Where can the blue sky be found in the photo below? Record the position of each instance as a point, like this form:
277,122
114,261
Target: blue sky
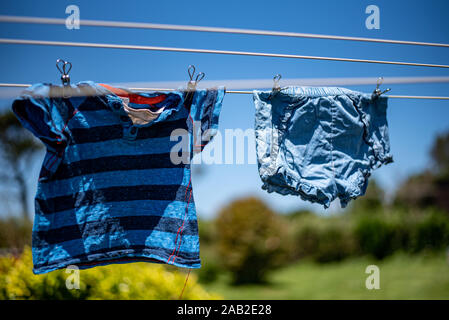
413,123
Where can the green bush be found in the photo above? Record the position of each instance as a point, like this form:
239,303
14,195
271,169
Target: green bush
335,244
208,272
432,233
322,239
120,281
381,236
375,237
306,242
377,233
251,240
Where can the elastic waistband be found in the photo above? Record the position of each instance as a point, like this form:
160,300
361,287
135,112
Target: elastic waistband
317,91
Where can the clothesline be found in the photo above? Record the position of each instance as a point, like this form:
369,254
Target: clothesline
100,23
267,83
227,52
158,26
22,85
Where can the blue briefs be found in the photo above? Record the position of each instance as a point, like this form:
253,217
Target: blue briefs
320,143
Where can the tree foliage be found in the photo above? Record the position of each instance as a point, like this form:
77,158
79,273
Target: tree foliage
17,147
431,187
251,240
440,154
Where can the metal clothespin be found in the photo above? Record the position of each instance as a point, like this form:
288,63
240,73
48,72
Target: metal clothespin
191,85
276,87
64,68
276,80
377,92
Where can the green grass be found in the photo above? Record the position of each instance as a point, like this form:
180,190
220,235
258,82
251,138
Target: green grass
401,277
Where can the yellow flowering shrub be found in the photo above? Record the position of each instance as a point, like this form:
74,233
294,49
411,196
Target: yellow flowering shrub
119,281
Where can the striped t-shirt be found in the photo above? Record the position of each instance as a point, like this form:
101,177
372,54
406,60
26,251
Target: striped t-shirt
115,183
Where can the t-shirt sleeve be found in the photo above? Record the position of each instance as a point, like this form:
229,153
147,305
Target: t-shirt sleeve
205,112
38,113
44,118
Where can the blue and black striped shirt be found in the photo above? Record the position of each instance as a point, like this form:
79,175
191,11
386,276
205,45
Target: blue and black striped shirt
109,189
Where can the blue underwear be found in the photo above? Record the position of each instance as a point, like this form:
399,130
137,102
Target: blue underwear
320,143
